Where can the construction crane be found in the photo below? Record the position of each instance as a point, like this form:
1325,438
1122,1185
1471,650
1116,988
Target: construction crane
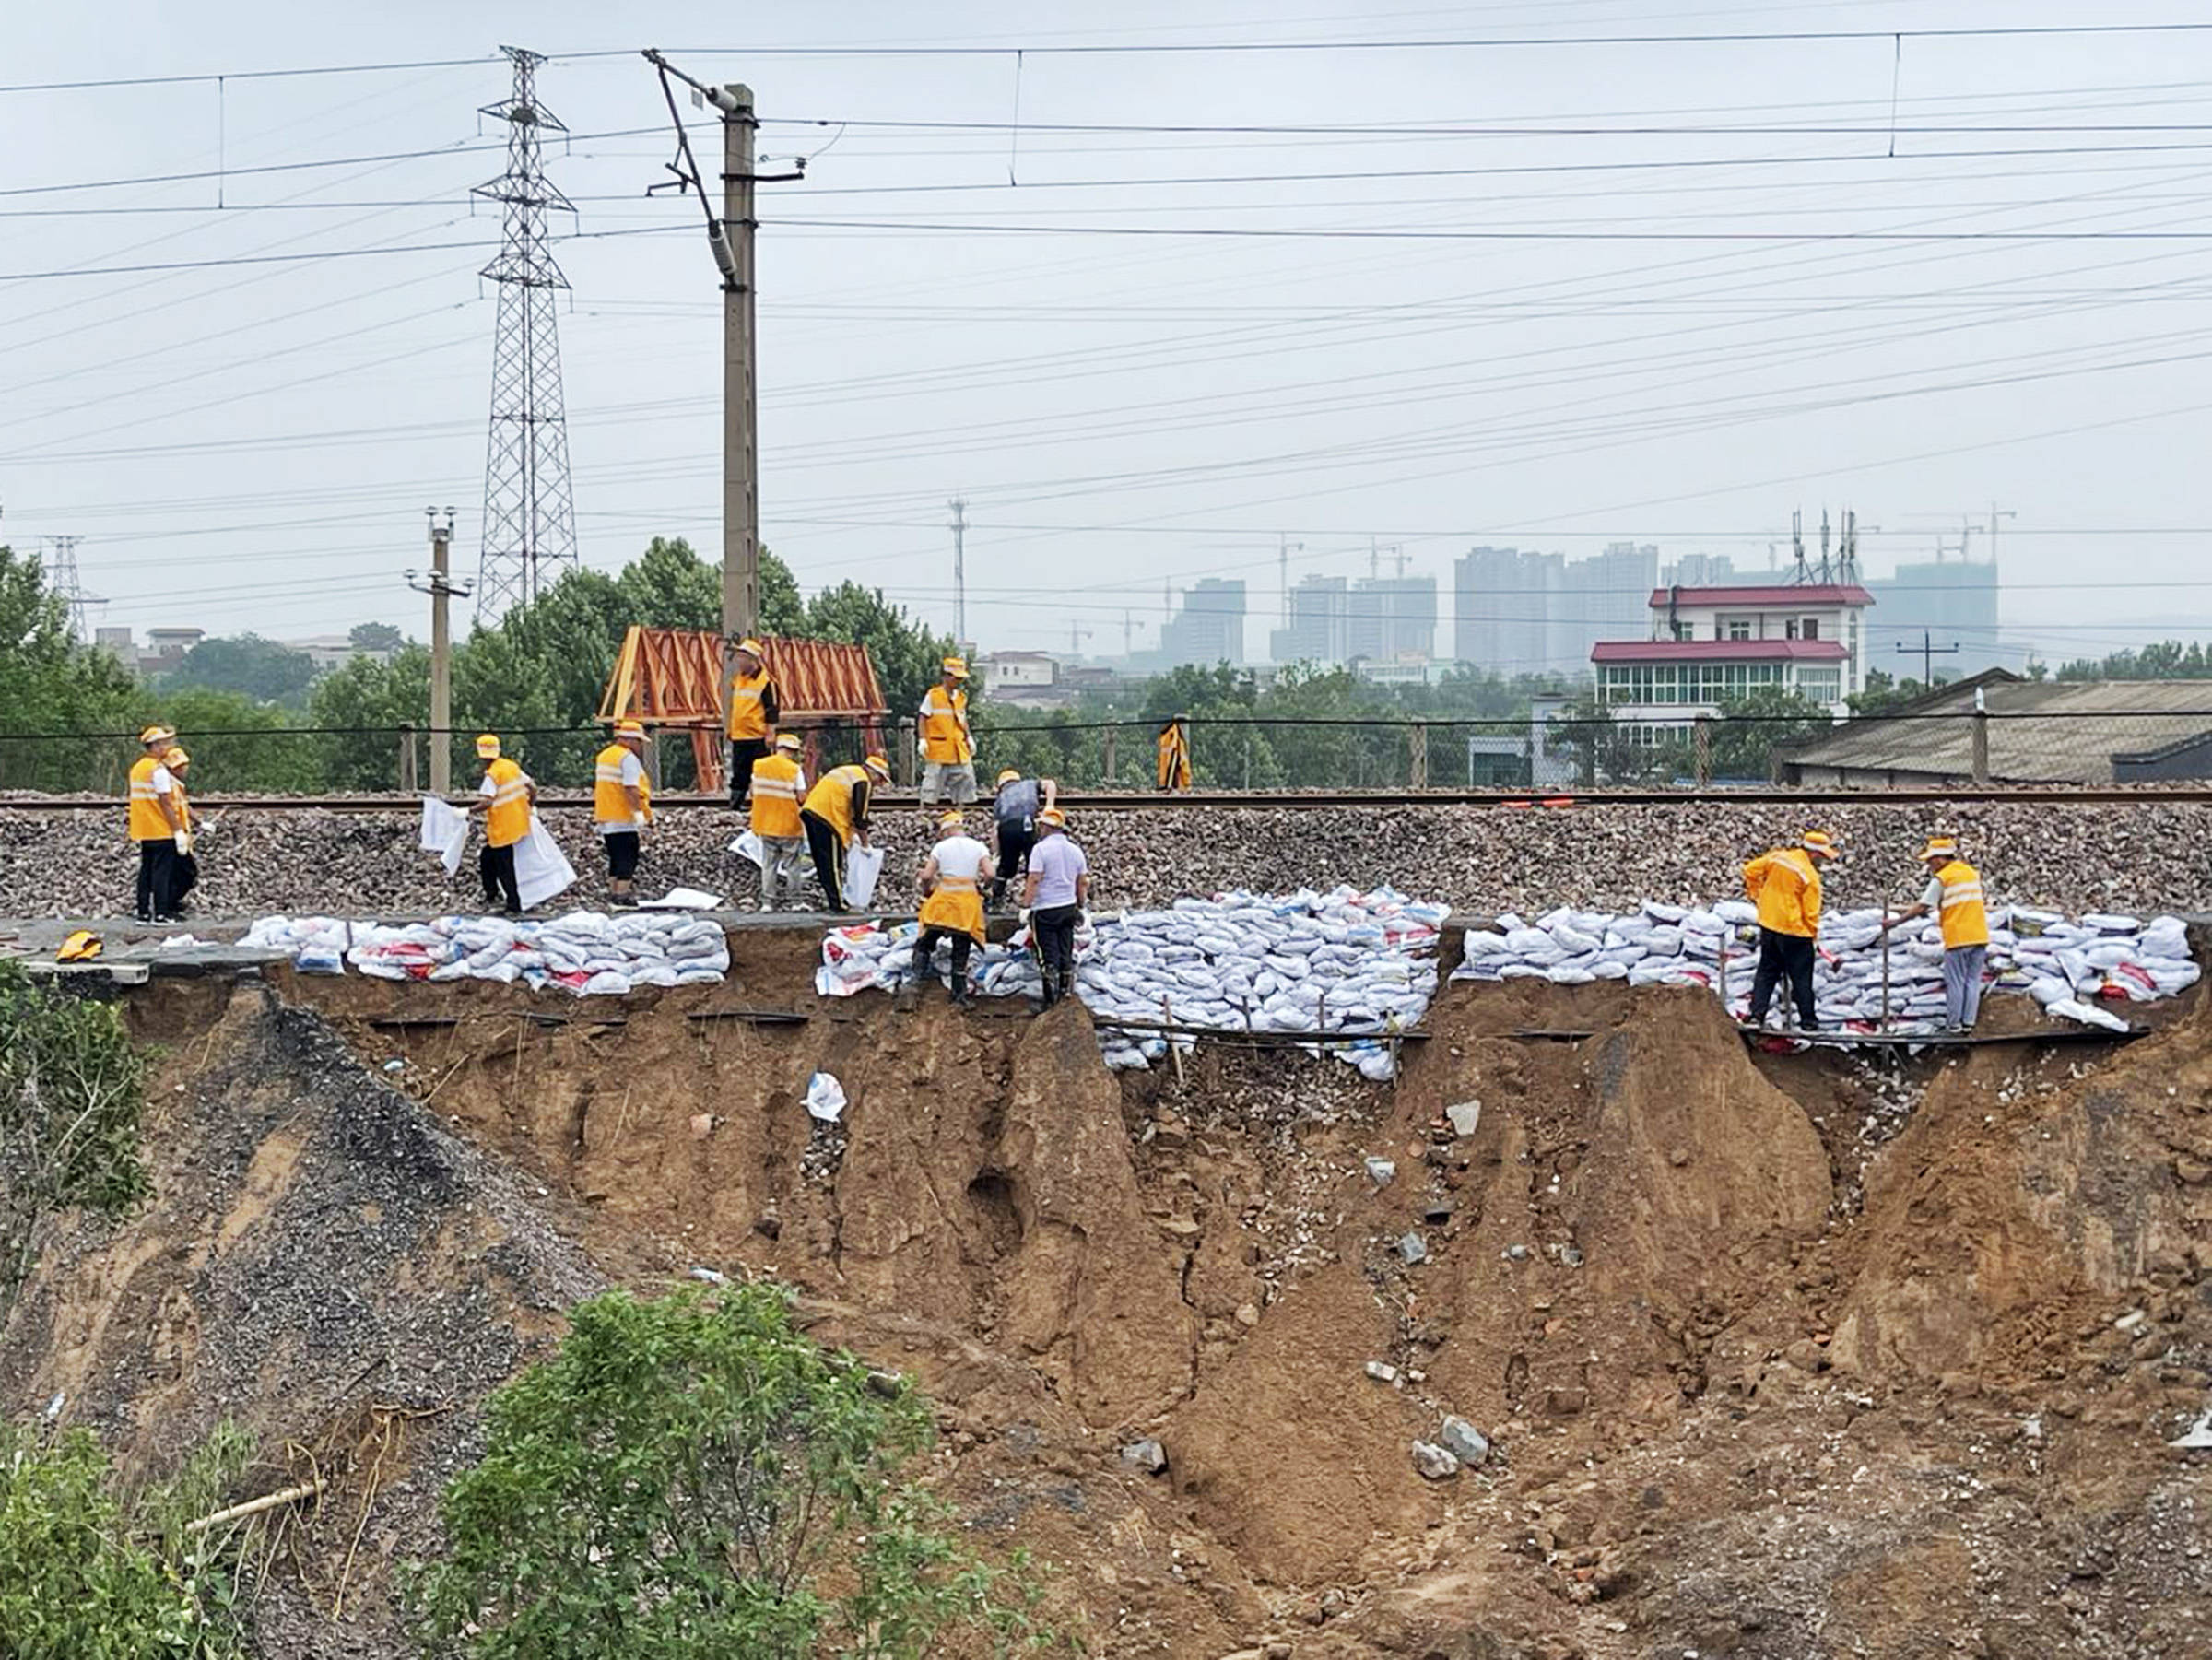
1077,635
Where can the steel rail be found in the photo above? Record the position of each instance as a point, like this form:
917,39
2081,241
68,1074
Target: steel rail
2086,796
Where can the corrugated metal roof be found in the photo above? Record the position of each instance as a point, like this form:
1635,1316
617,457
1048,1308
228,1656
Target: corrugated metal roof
2044,731
1767,594
1718,650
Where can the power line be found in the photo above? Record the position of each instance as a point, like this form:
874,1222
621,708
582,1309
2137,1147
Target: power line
330,253
1342,234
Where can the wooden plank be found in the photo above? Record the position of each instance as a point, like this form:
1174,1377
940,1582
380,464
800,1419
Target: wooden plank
1949,1040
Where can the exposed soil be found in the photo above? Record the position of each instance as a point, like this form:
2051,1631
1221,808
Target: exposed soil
1782,1356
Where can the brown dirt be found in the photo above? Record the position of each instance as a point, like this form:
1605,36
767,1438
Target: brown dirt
1783,1356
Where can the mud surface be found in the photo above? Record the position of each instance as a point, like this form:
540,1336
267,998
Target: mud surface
1783,1357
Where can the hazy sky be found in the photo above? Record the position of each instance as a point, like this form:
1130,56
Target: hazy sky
1547,294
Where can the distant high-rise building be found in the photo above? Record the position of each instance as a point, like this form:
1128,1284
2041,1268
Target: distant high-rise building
1208,629
1954,600
1540,613
1390,619
1316,631
1701,571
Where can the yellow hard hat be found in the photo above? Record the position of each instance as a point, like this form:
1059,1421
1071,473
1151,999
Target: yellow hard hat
1820,841
1940,847
487,746
789,740
1011,775
951,820
880,767
956,667
1053,818
751,647
176,758
157,735
629,729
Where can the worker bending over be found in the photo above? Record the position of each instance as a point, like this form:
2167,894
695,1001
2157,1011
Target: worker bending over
1053,902
188,859
1175,754
1786,885
622,807
952,905
778,786
1954,894
504,798
947,744
835,816
160,835
1016,804
754,712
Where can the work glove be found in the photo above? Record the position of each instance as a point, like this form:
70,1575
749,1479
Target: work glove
1025,916
1083,921
184,842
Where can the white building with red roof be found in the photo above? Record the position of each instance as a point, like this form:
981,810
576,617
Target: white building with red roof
1708,646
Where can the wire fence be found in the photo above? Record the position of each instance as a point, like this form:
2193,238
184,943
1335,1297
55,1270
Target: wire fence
2133,745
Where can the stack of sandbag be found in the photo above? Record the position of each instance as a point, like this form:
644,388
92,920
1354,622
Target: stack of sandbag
2069,967
1344,962
583,952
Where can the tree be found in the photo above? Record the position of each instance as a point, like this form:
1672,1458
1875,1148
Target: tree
358,706
907,654
246,663
237,744
379,637
694,1477
59,700
1753,727
2161,660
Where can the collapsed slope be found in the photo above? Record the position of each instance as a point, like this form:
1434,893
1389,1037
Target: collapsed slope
1766,1374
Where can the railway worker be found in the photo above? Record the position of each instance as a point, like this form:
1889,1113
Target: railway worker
835,816
161,836
1954,894
1786,885
1053,901
947,742
1016,802
505,798
188,859
1175,754
622,807
754,712
778,786
952,904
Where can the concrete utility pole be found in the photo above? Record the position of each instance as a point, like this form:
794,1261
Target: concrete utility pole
441,589
1929,651
730,238
959,570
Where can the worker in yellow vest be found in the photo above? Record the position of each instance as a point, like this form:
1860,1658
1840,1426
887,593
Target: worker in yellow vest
835,816
1954,894
952,905
778,786
188,858
504,798
947,745
622,807
161,836
1175,754
754,712
1785,885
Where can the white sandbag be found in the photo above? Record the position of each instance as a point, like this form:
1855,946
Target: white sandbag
863,867
825,1097
542,871
2087,1014
444,831
749,846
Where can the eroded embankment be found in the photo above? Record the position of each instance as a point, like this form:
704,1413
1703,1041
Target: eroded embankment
1783,1357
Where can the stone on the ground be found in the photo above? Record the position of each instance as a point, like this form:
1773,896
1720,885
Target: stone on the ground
1464,1442
1381,1371
1465,1117
1146,1455
1433,1462
1413,1250
1380,1171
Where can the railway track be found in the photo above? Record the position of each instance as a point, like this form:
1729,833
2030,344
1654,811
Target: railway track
1305,799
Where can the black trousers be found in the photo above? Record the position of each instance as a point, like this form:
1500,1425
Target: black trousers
187,877
1055,933
1781,957
744,752
925,958
156,879
829,851
496,867
1014,845
621,854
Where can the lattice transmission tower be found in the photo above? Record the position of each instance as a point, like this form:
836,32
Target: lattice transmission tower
529,519
57,556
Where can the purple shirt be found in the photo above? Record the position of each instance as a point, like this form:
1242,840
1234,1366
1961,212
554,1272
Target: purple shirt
1056,862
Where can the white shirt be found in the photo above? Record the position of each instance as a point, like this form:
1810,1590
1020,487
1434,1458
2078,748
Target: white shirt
960,858
164,781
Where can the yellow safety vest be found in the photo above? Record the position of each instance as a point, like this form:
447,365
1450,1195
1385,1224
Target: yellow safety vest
957,904
1787,888
610,802
749,718
945,738
776,798
1964,916
1174,759
182,802
831,799
509,820
147,822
